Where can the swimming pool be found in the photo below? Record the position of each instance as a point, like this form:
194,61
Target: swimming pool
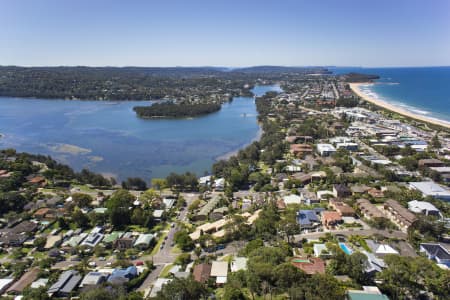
346,249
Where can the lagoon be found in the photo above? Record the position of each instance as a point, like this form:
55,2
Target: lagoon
107,137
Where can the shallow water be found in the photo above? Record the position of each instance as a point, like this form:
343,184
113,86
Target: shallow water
107,137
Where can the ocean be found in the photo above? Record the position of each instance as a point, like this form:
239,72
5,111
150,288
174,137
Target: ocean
421,90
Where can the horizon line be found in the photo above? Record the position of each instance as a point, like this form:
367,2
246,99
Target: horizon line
219,66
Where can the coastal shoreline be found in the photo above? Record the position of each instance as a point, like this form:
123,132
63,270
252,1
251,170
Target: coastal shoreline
383,104
229,154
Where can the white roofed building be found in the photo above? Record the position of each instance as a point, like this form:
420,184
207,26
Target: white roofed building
423,207
430,188
325,149
219,269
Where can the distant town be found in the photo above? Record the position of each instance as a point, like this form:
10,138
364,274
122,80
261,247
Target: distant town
338,199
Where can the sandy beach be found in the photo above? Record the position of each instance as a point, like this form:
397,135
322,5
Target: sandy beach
227,155
356,88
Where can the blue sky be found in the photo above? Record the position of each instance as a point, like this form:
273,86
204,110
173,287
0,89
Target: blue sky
225,32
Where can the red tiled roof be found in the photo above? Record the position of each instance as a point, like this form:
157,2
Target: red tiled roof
310,266
202,272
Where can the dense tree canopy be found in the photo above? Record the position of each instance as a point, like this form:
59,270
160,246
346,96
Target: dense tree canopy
119,207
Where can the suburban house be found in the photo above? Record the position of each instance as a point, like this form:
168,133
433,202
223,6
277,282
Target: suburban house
423,207
325,149
119,276
207,209
292,199
436,252
144,241
123,243
45,213
24,281
66,283
308,197
5,283
343,208
398,214
299,150
238,263
349,146
52,241
331,218
158,285
380,249
307,219
310,266
374,263
443,171
219,184
93,238
368,210
202,272
219,270
359,189
430,162
205,180
11,239
376,193
430,188
112,237
341,191
94,278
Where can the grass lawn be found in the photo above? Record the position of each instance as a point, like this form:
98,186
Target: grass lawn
39,255
165,271
84,188
137,228
226,258
48,191
176,250
158,244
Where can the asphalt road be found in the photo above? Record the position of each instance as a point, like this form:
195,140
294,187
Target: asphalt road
164,256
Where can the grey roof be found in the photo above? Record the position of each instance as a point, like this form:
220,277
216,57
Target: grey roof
144,239
205,210
71,284
436,250
94,278
307,217
430,188
66,283
92,239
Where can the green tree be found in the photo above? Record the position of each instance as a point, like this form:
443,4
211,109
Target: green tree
406,278
81,200
80,219
435,143
39,242
134,183
231,293
159,183
35,294
119,208
182,288
183,240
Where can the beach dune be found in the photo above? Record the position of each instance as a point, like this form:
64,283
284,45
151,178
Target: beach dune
356,88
